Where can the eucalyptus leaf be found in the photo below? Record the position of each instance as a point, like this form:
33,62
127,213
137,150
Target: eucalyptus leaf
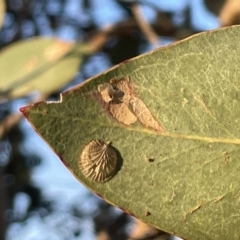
176,132
37,64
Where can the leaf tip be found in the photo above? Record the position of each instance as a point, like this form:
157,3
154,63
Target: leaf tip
24,110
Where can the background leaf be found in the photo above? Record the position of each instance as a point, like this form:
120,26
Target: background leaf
191,188
40,64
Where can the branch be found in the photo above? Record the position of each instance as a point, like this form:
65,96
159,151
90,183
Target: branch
230,13
144,26
143,231
13,119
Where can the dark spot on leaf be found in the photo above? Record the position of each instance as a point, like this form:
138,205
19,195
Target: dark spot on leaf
147,213
150,160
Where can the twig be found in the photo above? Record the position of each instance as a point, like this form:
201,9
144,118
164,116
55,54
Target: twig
144,26
230,13
143,231
97,42
9,122
13,119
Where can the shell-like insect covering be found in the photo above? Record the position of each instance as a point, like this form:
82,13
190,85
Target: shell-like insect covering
98,161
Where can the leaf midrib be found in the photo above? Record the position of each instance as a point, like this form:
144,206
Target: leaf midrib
149,131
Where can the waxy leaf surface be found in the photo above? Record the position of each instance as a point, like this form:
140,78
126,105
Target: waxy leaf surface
177,133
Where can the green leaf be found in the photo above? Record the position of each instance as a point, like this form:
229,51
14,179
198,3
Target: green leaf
38,64
2,11
176,133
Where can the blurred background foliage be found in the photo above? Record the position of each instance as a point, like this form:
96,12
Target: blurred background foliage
111,31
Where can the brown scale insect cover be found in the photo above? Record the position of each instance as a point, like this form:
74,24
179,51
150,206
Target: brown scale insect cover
98,161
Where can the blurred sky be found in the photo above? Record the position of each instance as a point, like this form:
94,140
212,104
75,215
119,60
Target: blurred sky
52,176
